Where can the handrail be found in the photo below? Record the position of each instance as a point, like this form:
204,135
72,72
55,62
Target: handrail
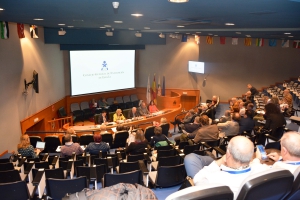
57,124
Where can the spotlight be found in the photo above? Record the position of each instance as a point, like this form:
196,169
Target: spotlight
138,34
162,35
115,5
62,32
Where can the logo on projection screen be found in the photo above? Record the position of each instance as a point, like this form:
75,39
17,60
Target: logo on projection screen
104,66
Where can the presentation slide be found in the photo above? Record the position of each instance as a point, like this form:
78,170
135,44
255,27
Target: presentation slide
196,67
101,70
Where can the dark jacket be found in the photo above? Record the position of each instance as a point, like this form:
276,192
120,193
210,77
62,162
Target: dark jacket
246,124
137,147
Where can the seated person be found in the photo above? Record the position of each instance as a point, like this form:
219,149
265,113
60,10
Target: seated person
25,148
120,127
212,102
191,127
250,108
118,115
246,122
93,104
287,102
206,132
139,145
230,127
102,118
187,119
143,111
94,147
152,107
103,102
133,113
226,117
70,147
158,136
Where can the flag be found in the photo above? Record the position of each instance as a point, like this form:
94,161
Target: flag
20,28
296,44
285,43
163,91
197,39
153,91
34,31
248,41
184,38
4,30
272,42
148,93
259,42
222,40
235,41
158,87
209,40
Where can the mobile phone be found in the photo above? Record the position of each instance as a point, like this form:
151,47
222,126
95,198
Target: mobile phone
262,152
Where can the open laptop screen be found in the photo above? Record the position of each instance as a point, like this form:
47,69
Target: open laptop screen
40,145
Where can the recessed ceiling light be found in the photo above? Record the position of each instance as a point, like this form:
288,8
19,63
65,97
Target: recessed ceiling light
187,33
102,27
38,19
287,33
107,25
178,1
118,22
131,29
137,15
238,32
61,24
146,27
198,32
216,35
290,36
210,34
70,26
180,26
229,24
248,35
176,32
1,8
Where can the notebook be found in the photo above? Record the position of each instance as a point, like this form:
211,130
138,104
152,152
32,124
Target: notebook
40,145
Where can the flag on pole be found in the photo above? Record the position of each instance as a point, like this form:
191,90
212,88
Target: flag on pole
153,91
184,38
34,31
20,28
285,44
158,87
222,40
148,93
234,41
163,91
259,42
209,40
272,42
248,41
197,39
296,44
4,30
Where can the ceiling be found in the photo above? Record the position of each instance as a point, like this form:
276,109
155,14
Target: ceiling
257,18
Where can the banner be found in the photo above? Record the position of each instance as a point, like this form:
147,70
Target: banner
234,41
222,40
4,30
272,42
34,31
209,40
248,41
259,42
148,92
20,29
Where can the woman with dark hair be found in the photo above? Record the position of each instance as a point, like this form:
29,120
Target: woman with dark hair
158,136
96,146
139,145
152,107
274,118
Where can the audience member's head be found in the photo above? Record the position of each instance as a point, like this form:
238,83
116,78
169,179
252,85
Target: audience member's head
24,141
290,149
204,120
272,108
214,98
71,131
191,112
97,138
157,130
239,152
103,113
248,94
151,102
249,114
266,99
236,117
163,120
139,136
103,128
275,100
227,113
250,106
249,86
143,105
68,137
241,112
286,92
233,100
119,112
197,120
133,109
120,127
241,105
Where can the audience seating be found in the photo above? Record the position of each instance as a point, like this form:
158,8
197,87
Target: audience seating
128,177
134,99
61,112
127,167
149,132
133,158
108,138
85,139
87,111
94,173
120,139
14,191
165,129
34,139
110,101
57,173
109,162
166,161
190,148
76,112
6,166
295,192
51,143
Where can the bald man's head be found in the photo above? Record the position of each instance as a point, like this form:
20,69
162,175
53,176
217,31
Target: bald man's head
291,141
241,149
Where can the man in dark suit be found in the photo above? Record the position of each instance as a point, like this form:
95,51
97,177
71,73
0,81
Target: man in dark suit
133,113
103,117
246,122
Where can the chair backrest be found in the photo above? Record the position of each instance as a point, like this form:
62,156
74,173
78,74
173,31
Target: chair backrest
133,158
6,166
168,176
274,183
126,99
108,138
295,192
57,173
119,99
9,176
104,161
74,139
182,145
149,132
120,139
51,143
86,171
4,160
85,139
165,129
42,164
128,166
16,190
207,191
129,177
169,161
34,139
168,147
133,97
165,153
213,143
190,148
61,112
75,106
84,105
58,188
110,101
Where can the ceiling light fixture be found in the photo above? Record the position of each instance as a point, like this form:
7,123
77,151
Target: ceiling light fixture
210,34
290,36
180,26
178,1
198,32
229,24
115,4
146,27
118,22
102,27
287,33
131,29
176,32
70,26
38,19
61,24
238,32
1,8
248,35
216,35
137,15
107,26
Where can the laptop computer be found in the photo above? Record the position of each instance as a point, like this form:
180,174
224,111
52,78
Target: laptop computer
40,145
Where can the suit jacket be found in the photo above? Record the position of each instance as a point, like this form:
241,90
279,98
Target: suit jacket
191,127
273,121
246,124
207,133
130,114
229,127
100,119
